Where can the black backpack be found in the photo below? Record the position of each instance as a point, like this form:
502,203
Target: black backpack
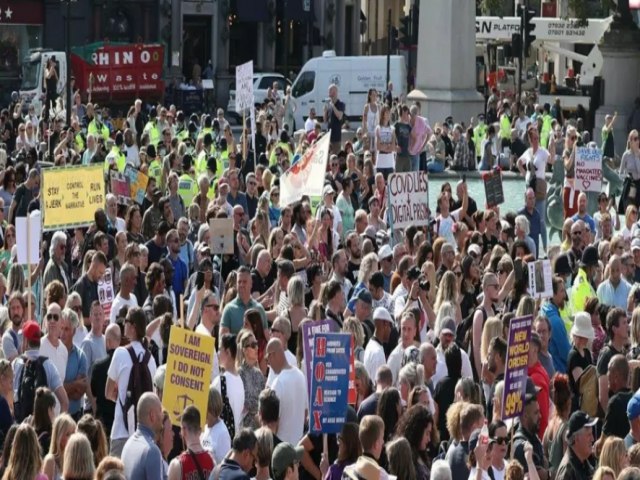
32,377
464,329
140,382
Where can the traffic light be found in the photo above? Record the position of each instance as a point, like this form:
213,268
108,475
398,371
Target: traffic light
529,27
516,45
405,31
394,38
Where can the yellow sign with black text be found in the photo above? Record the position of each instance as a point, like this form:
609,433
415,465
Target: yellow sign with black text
70,196
188,376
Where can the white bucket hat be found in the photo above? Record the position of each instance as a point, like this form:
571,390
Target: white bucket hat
582,326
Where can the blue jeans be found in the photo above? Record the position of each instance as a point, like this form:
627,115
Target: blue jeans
415,163
434,166
541,206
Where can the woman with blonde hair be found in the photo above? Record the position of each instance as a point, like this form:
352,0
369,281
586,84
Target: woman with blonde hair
630,162
566,234
526,306
78,459
614,455
353,326
604,473
252,378
63,428
94,431
630,218
24,461
492,328
296,311
448,292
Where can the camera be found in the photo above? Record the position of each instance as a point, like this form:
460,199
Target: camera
424,283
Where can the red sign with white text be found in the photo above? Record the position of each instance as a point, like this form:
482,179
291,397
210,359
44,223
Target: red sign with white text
120,70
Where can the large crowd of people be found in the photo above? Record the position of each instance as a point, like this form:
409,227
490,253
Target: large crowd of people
429,308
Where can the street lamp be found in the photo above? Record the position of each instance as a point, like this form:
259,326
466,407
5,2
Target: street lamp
67,42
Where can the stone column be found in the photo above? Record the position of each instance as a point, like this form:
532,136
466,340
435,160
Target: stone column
621,73
446,71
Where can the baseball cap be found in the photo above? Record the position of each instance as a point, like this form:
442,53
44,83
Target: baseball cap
633,407
475,249
448,326
579,420
382,313
385,252
369,232
284,456
328,189
635,244
364,296
31,331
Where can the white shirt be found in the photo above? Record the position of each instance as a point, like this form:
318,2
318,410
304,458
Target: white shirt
235,393
540,160
521,125
291,388
216,440
445,226
291,360
441,366
373,357
120,302
119,224
395,362
58,355
79,336
119,371
309,124
215,371
133,156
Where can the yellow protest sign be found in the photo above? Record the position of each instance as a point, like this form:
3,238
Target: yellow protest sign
71,196
188,375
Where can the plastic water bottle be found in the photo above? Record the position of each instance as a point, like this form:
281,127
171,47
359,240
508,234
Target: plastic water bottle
484,434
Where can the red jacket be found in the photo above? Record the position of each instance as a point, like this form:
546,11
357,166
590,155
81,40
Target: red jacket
541,380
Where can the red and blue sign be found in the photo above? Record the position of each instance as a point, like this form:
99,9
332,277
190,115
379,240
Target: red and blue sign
330,382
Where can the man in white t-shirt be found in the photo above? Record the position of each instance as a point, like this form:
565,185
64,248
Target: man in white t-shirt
281,329
51,346
374,353
291,388
310,122
125,297
118,378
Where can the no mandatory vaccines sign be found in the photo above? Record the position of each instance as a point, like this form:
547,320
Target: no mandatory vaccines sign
188,375
71,196
408,199
517,368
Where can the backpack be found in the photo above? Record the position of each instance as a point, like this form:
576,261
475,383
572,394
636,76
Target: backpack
464,329
140,382
32,377
227,413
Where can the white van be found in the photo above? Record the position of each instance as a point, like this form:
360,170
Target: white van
354,76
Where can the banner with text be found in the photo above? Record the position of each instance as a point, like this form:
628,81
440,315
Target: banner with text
588,169
306,176
244,86
189,364
71,196
409,199
330,382
517,367
309,331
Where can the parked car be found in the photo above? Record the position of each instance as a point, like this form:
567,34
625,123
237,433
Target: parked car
261,83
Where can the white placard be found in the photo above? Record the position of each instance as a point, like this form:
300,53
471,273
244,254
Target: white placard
409,199
221,236
306,176
244,86
106,293
29,243
540,279
588,169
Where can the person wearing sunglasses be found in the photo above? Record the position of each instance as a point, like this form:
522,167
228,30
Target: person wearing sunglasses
499,441
51,346
252,378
